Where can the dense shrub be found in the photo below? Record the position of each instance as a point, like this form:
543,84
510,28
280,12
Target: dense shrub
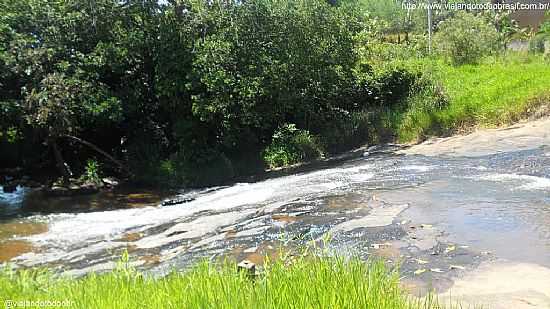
291,145
426,98
545,26
264,63
149,165
536,43
192,165
213,169
466,38
183,91
346,130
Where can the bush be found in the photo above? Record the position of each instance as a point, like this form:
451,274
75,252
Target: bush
393,85
265,60
214,170
181,171
147,163
426,98
465,38
536,44
345,130
291,145
545,26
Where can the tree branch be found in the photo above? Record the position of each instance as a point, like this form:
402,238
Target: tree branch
94,147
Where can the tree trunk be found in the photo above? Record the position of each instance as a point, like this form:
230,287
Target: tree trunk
59,161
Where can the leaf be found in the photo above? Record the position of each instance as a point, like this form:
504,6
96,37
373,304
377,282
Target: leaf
457,267
419,261
420,271
436,270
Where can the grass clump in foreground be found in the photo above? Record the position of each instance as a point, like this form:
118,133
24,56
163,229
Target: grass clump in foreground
313,282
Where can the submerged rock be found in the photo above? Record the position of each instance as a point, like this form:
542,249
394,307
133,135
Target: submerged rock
382,216
177,201
110,182
72,190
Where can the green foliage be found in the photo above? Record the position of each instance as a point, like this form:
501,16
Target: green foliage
60,105
545,25
11,135
346,130
392,13
91,172
183,90
536,43
465,39
291,145
213,168
313,282
150,166
416,118
47,67
268,62
191,78
498,91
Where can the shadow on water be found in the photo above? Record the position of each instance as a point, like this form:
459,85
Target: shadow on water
25,202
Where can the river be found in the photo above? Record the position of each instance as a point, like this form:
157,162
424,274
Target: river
467,215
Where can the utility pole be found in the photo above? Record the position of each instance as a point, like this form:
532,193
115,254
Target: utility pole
429,26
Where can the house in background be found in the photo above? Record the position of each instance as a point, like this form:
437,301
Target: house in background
529,18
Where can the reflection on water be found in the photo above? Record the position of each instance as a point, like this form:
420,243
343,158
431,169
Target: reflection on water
268,250
25,202
12,248
500,219
131,237
24,213
21,228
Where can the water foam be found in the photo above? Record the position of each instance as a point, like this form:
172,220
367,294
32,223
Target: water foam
67,229
528,182
416,168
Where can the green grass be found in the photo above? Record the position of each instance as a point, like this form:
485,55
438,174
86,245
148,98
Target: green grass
496,92
307,283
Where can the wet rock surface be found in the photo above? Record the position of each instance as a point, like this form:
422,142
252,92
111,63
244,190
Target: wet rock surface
521,136
446,220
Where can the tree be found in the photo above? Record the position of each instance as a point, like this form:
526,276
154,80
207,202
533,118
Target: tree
48,55
465,38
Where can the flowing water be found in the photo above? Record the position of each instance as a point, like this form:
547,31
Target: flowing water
441,217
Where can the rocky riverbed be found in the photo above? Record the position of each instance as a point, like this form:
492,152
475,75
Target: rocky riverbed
466,216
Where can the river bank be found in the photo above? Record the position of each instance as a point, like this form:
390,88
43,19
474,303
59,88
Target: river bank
448,217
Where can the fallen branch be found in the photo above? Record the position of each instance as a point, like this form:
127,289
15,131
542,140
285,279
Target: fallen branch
94,147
